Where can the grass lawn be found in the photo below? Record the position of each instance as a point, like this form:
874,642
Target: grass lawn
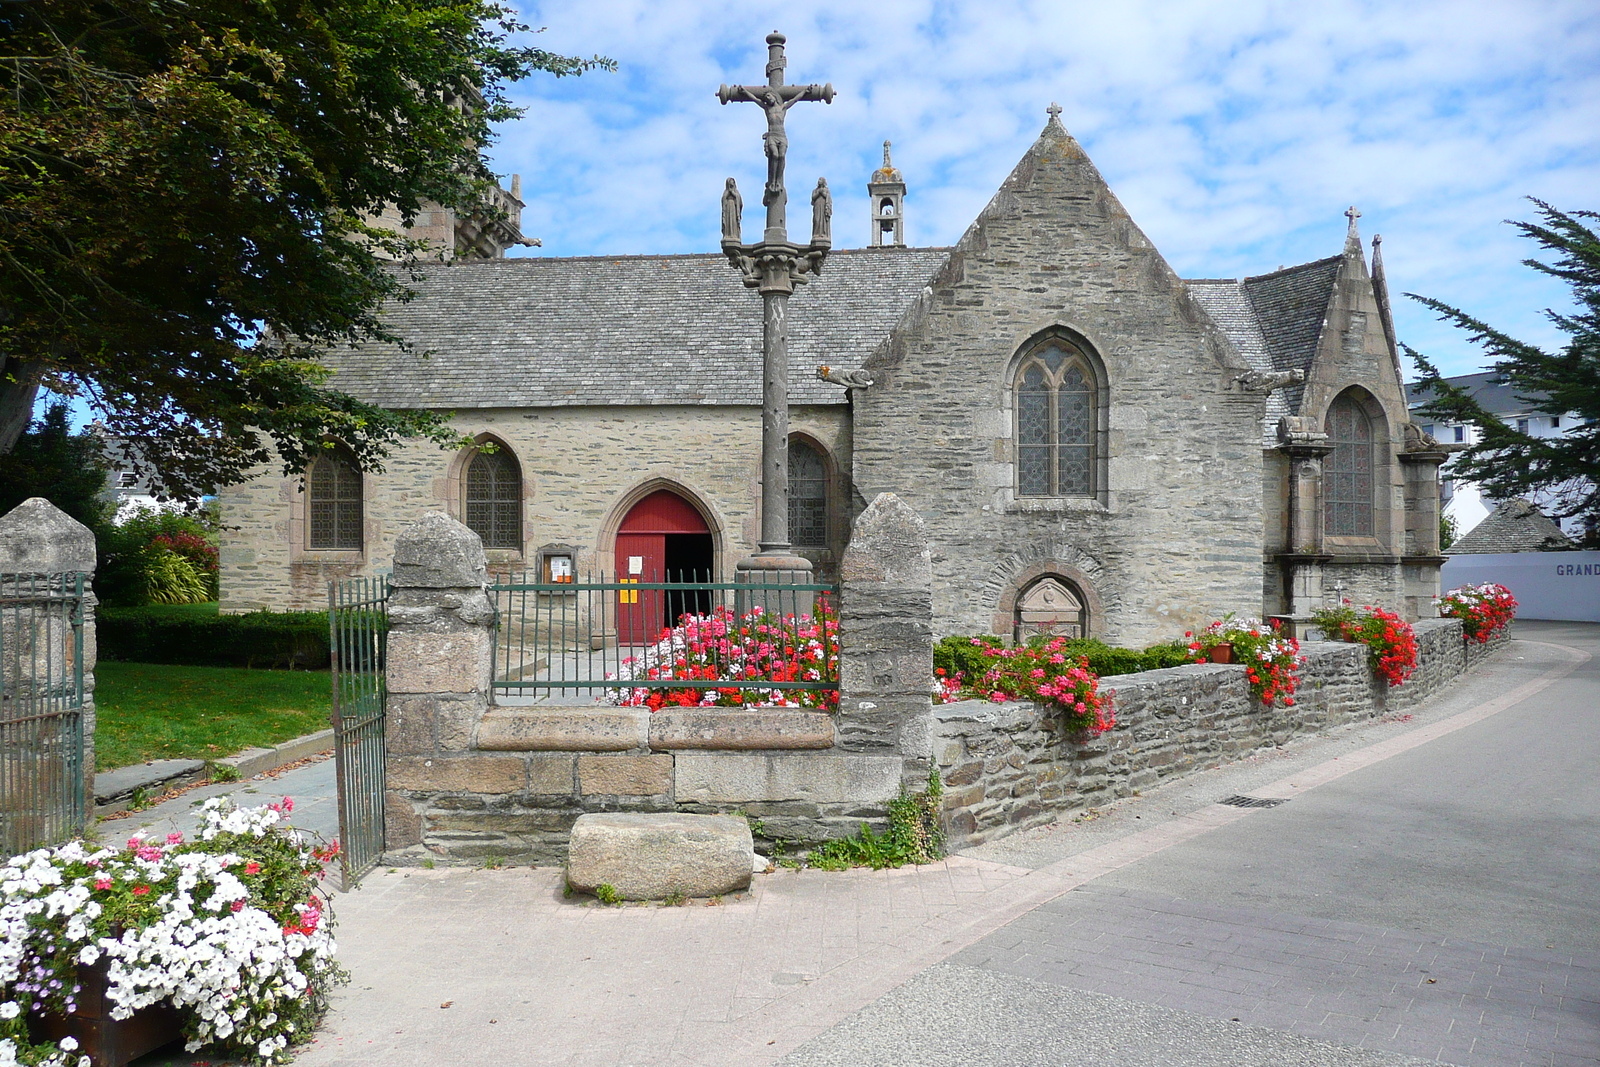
153,711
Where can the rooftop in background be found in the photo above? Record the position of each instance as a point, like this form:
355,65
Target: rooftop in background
1497,397
1514,526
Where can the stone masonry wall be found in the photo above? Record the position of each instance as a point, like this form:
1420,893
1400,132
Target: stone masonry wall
580,466
1175,537
468,779
1007,767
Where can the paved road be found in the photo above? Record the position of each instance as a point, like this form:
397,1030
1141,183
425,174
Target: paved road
1440,903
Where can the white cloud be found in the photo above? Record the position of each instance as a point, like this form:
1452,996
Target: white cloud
1235,132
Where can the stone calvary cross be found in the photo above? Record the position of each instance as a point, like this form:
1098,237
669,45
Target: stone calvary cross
774,266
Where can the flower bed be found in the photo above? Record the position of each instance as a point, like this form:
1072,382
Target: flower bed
1271,660
1484,610
228,929
1391,643
1040,670
725,649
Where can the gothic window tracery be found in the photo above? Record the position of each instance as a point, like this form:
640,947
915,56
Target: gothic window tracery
494,499
1348,470
333,502
808,496
1056,407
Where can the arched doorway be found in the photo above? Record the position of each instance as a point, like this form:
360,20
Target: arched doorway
663,538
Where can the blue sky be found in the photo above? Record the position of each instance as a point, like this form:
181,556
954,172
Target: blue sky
1236,133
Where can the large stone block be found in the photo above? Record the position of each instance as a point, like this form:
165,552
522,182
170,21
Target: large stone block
624,775
651,856
730,728
438,662
437,552
36,537
458,774
570,730
819,777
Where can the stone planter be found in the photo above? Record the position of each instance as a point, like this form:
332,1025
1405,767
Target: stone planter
1222,653
106,1041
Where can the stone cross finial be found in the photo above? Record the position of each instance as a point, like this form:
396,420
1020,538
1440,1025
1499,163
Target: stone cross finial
1054,110
886,163
1352,214
775,99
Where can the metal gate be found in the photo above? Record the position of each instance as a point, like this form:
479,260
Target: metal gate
42,799
358,630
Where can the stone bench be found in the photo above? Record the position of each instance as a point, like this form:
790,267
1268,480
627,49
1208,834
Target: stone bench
646,856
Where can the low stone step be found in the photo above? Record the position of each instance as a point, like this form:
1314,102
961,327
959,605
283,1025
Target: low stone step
156,776
651,856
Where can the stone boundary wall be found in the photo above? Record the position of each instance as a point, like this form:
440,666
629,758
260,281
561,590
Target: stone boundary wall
1007,767
469,779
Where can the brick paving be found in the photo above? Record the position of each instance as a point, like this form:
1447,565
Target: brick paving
1459,1002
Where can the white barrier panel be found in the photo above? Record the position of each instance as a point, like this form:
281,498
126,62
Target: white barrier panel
1547,585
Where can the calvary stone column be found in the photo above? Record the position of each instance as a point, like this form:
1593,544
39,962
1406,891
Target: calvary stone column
774,266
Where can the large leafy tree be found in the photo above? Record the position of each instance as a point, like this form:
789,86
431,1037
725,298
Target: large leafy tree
1563,472
185,189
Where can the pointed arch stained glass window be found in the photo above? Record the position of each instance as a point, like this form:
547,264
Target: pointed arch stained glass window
333,502
1347,472
494,499
808,496
1056,408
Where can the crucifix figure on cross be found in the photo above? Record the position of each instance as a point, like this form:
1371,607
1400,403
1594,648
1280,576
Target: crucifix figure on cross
775,99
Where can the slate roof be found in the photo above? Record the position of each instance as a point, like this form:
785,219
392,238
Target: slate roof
1275,321
1498,397
603,330
591,330
1514,526
1224,299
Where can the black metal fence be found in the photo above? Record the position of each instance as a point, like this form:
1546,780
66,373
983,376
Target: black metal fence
618,639
358,629
42,794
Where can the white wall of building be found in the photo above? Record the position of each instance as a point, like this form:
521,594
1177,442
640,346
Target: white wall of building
1547,585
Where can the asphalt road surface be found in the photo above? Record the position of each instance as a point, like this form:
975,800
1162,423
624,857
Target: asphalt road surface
1440,904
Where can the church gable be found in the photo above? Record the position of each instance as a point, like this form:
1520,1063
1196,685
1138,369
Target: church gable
1353,347
1053,395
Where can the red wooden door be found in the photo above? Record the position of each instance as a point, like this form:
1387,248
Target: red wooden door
639,613
641,557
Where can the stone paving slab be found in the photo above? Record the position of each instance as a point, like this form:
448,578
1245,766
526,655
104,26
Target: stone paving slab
1458,1002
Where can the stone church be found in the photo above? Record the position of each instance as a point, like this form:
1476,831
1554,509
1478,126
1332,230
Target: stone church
1096,445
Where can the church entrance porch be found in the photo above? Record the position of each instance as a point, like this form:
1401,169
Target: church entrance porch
662,539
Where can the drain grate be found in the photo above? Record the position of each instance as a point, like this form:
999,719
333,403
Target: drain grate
1237,801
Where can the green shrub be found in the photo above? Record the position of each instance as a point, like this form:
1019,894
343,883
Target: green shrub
136,557
168,578
195,635
958,654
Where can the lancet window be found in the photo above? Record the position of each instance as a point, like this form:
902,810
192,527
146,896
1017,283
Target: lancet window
494,499
333,502
1056,412
1347,472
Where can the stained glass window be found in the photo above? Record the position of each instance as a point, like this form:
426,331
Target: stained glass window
1056,414
494,499
1347,472
333,502
808,496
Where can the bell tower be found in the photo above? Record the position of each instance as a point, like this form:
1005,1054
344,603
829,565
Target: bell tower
886,192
